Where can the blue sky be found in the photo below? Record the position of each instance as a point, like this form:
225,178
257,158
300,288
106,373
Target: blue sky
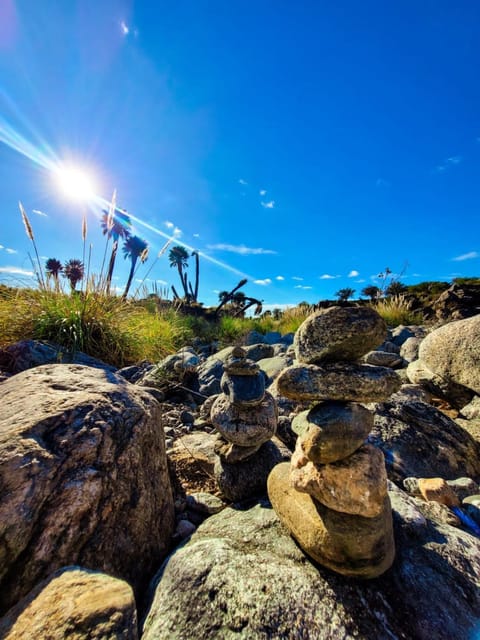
305,145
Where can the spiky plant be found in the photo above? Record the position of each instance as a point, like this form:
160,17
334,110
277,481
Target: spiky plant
115,225
74,272
136,249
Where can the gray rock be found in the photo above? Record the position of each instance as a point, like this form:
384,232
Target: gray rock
401,333
244,425
464,487
184,529
273,367
409,392
171,368
409,349
272,337
457,395
420,441
471,504
247,479
84,478
243,390
384,359
253,337
233,453
259,351
338,381
453,352
209,374
205,503
241,576
471,410
389,347
339,333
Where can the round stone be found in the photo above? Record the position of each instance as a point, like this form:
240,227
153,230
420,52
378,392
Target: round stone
332,430
356,485
339,333
244,425
233,453
338,381
243,390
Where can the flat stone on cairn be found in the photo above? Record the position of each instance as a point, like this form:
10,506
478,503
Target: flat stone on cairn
333,495
245,415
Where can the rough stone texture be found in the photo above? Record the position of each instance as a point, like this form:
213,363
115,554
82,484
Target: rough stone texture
472,409
241,481
464,487
332,430
205,503
453,352
245,426
209,374
339,333
471,504
171,368
351,545
258,351
338,381
74,603
84,478
384,359
233,453
252,582
27,354
419,373
437,490
273,367
409,392
243,390
421,441
356,485
409,349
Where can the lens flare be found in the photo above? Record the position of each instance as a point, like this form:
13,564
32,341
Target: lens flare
75,183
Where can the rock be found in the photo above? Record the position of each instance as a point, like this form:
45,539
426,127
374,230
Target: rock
453,352
233,453
332,430
273,367
74,603
243,390
401,333
196,448
384,359
273,337
245,426
84,478
209,374
348,544
339,333
406,510
184,529
252,581
409,392
253,337
170,369
419,373
471,410
459,301
437,512
256,352
136,371
464,487
421,441
238,482
338,381
27,354
285,432
356,485
205,503
437,490
409,349
411,486
389,347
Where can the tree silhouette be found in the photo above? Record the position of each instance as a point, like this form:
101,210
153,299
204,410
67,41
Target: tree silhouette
74,272
53,268
344,294
136,249
371,292
115,226
178,257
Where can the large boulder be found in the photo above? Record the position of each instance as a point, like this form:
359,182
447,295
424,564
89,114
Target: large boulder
84,478
453,352
74,603
419,440
242,576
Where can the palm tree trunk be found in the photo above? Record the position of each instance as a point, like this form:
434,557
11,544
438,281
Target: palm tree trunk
130,278
111,265
197,276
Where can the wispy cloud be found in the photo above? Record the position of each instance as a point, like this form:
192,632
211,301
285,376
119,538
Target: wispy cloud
241,249
11,250
169,224
454,160
196,235
353,273
268,205
360,281
328,276
381,182
301,286
16,271
279,278
448,162
467,256
40,213
263,192
124,28
297,278
243,182
263,283
176,232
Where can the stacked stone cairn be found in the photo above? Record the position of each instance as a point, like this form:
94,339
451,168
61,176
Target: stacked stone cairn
332,496
245,415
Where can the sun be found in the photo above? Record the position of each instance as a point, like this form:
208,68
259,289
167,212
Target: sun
75,183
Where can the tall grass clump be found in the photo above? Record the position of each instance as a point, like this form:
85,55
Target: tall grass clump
396,310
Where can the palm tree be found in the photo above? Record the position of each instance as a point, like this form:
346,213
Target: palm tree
371,292
344,294
178,257
115,226
134,248
74,272
53,267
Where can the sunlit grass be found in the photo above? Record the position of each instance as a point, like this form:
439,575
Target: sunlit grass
396,310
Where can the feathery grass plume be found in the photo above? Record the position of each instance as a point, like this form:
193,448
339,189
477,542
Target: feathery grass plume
84,238
396,310
29,230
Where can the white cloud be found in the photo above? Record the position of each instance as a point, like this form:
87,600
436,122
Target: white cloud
241,249
196,235
124,27
169,224
327,276
177,232
448,162
243,182
353,273
40,213
264,283
360,281
301,286
297,278
11,250
16,271
454,159
279,278
466,256
268,205
162,281
1,246
263,192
